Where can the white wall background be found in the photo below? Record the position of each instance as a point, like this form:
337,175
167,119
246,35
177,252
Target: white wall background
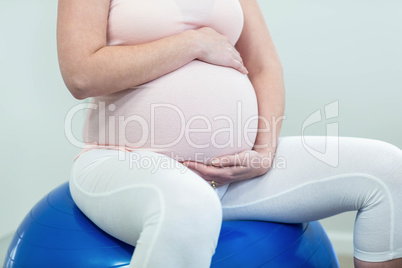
348,51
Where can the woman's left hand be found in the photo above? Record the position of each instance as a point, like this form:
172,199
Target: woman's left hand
241,166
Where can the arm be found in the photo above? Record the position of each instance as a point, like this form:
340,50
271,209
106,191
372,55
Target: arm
265,73
91,68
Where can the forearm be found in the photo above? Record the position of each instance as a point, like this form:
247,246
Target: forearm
270,91
115,68
265,73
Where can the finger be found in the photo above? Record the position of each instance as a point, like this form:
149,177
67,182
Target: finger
228,160
196,172
237,171
207,170
236,54
237,61
217,183
193,165
213,184
239,66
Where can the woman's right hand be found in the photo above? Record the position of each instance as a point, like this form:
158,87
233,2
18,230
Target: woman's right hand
216,48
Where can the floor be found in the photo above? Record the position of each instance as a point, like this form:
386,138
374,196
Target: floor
344,261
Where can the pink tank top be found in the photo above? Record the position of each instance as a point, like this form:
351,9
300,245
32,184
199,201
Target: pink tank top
195,113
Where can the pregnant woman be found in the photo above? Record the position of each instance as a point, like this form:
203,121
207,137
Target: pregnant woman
174,84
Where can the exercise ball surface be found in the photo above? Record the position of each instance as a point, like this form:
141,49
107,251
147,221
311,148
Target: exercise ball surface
55,233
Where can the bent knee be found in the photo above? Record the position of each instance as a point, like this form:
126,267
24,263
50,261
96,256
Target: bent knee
389,165
380,159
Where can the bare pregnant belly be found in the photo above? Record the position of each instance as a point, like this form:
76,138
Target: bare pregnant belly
194,113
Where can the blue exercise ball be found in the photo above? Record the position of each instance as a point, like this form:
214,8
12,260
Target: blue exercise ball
55,233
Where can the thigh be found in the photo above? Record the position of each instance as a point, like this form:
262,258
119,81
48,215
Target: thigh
315,178
122,194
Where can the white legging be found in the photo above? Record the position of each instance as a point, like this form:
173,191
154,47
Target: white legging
173,216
